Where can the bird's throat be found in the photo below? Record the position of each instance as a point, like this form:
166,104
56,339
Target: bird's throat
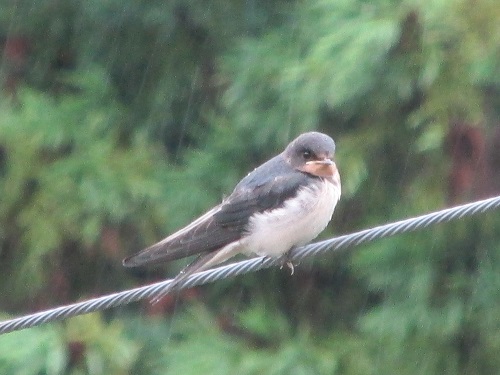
320,169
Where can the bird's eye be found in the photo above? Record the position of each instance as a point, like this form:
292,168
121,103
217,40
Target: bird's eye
307,154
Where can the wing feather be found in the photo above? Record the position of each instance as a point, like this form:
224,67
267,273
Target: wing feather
202,235
227,222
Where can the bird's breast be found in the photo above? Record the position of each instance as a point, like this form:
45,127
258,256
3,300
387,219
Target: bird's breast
297,222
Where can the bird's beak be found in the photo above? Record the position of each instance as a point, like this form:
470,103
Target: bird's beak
321,168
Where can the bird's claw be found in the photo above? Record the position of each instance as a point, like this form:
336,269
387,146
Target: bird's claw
285,261
290,265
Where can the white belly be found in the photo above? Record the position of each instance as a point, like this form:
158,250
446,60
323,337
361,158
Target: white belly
299,221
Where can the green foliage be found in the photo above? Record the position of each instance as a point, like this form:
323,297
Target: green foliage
435,300
83,345
134,117
33,352
68,173
197,344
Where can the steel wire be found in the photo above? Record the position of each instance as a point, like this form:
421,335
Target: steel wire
250,265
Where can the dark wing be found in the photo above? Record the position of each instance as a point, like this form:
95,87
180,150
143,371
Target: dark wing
202,235
267,187
245,201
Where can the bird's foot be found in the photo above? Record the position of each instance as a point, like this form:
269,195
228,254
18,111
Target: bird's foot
285,261
290,265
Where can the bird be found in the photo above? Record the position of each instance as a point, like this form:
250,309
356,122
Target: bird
284,203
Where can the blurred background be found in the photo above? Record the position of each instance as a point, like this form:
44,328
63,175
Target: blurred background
122,120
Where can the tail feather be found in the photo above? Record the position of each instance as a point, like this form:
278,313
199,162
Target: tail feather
202,263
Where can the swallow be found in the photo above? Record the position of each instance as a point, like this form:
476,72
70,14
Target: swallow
282,204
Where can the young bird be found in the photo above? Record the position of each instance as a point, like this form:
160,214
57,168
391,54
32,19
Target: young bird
284,203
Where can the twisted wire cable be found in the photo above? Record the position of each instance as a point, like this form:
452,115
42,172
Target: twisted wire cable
251,265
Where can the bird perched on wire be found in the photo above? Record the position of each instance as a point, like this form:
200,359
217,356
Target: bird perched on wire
284,203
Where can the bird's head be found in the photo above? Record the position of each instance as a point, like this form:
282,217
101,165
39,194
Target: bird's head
312,153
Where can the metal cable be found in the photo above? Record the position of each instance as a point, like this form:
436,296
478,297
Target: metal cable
251,265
